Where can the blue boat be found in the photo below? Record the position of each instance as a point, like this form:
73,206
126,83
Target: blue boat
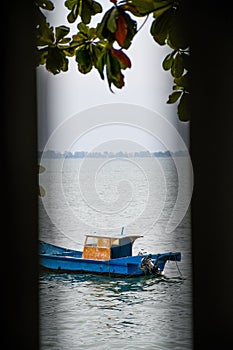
105,254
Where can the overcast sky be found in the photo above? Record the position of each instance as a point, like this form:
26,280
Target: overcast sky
68,99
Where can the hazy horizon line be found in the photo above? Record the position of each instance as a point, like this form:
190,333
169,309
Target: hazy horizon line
106,154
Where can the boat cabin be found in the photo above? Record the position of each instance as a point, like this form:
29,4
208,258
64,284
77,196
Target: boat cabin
104,247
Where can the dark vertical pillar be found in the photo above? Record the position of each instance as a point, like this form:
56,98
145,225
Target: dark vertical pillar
211,151
19,292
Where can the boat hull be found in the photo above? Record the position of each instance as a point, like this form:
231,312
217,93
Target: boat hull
66,260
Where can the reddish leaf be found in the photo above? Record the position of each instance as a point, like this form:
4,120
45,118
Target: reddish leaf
114,1
122,58
122,30
119,82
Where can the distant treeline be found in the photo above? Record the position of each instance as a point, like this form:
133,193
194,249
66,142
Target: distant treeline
142,154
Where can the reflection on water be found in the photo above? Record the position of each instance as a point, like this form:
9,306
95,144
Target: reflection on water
90,311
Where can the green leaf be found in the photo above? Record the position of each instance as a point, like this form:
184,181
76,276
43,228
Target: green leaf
108,71
143,7
83,58
89,8
71,3
111,23
113,69
83,28
63,42
97,8
78,39
132,9
161,26
177,87
168,61
71,17
45,35
56,61
148,6
113,64
61,32
184,108
177,68
183,81
169,43
41,56
73,6
99,60
86,12
174,97
102,30
96,52
178,35
45,4
70,51
160,10
85,35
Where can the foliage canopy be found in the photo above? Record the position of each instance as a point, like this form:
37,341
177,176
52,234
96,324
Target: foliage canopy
103,46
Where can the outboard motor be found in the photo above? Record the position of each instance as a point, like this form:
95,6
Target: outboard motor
148,267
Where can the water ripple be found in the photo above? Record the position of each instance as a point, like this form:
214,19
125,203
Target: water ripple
81,311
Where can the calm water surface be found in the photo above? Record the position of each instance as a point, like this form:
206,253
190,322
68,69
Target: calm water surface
98,312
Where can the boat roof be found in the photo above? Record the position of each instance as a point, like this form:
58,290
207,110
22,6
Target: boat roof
112,236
